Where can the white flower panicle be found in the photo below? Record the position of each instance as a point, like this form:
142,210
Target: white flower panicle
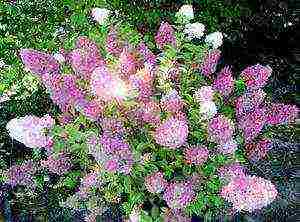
186,11
30,130
194,30
100,15
214,39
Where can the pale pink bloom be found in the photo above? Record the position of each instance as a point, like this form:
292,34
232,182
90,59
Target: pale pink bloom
155,183
249,193
30,130
172,133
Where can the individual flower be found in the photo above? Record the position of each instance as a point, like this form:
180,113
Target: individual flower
186,11
252,123
256,76
155,183
39,63
57,163
224,83
232,171
172,133
194,30
220,129
215,39
196,155
249,102
165,36
229,147
178,195
100,15
21,174
210,62
257,151
204,94
207,110
172,102
282,114
85,57
249,193
30,130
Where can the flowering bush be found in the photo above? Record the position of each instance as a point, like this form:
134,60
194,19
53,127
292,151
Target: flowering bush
152,132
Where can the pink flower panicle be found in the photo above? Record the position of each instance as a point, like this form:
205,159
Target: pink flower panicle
256,76
249,193
39,63
149,112
196,155
172,133
232,171
178,195
90,109
113,45
58,164
257,151
155,183
249,102
282,114
85,57
128,63
210,62
224,83
175,216
115,154
252,123
172,102
165,36
149,57
21,174
220,129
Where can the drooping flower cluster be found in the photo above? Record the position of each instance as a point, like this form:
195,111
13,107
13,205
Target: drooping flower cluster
31,130
256,76
224,82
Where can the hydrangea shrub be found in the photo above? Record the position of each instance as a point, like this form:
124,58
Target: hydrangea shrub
157,133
